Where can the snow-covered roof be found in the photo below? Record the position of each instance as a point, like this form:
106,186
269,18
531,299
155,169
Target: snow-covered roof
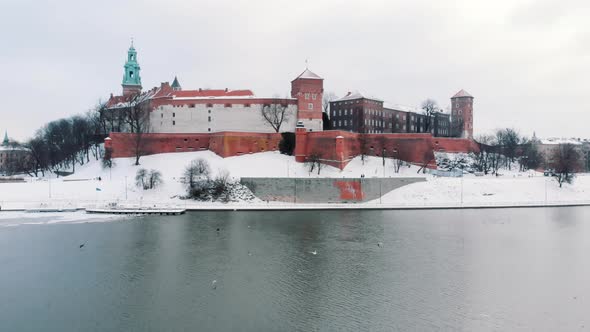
401,107
462,93
554,140
355,95
12,148
309,75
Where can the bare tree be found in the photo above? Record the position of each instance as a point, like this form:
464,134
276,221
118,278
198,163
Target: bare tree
275,115
138,120
196,171
509,140
326,99
429,108
364,146
483,157
565,160
427,157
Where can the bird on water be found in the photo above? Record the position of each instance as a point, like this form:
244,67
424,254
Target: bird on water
315,252
82,245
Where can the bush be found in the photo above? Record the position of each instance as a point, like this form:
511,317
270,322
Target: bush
148,179
287,143
197,171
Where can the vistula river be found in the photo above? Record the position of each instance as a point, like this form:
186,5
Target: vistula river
432,270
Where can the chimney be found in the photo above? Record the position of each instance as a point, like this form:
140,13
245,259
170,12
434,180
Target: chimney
349,93
111,95
200,90
225,89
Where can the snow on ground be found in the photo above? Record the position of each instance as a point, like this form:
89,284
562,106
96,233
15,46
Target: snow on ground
490,190
82,189
118,184
18,218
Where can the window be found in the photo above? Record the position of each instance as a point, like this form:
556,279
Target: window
313,96
227,105
174,123
334,123
209,119
339,123
310,106
191,105
161,115
307,96
246,105
209,111
334,113
131,74
209,105
345,123
208,129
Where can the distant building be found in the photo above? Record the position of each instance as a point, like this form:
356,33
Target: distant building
12,157
548,147
357,113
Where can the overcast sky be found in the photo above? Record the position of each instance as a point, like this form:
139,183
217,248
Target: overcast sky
526,62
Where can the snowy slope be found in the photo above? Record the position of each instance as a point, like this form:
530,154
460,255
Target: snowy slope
83,188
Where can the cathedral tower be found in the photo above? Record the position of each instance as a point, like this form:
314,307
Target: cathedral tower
131,79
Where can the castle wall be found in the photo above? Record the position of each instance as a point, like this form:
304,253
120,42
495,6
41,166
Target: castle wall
225,144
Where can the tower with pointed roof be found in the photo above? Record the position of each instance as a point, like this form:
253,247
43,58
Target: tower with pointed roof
131,79
5,141
308,89
175,85
462,114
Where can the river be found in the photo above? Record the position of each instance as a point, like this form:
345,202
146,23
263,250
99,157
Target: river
425,270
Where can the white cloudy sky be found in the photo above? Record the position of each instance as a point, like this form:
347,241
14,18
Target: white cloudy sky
526,62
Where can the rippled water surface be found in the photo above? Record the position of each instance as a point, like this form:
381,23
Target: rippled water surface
500,269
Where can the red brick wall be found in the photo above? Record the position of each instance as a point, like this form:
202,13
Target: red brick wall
413,148
225,144
446,144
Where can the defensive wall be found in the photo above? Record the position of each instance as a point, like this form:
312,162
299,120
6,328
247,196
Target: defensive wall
324,190
333,147
337,148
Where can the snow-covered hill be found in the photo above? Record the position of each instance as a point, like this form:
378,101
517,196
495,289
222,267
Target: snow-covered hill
118,183
84,188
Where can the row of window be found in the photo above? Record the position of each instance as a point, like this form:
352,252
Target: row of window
208,105
313,96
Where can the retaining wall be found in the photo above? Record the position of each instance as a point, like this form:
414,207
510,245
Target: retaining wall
324,190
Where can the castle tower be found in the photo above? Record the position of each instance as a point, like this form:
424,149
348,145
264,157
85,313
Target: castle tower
308,88
462,114
131,79
5,141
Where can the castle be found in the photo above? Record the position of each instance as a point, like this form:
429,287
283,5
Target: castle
231,122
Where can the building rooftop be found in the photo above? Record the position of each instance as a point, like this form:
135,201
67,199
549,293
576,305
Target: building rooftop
308,74
461,94
355,95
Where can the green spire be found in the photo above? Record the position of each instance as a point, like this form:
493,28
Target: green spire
5,142
131,76
175,85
